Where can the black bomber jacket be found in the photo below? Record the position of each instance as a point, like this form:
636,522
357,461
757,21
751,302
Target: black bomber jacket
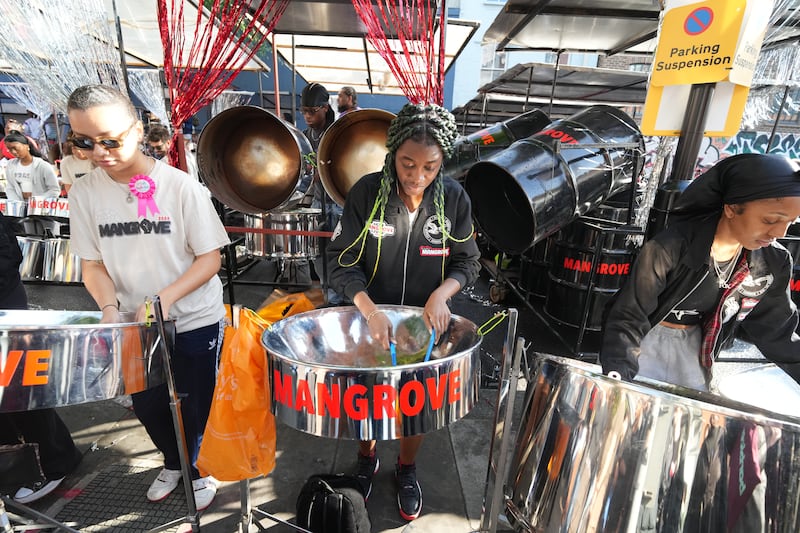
667,270
411,260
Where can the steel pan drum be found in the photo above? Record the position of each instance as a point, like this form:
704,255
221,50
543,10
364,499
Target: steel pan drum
13,208
353,146
250,159
283,246
48,207
597,454
58,358
767,387
330,379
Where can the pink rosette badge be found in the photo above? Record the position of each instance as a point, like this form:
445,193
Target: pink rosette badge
144,188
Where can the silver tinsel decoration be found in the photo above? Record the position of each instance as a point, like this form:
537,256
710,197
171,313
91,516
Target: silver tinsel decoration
57,47
228,99
146,85
29,98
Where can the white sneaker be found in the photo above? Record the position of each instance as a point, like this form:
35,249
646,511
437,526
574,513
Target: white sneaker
163,485
205,489
36,491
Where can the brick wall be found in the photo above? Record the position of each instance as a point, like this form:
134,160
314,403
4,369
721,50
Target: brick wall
622,62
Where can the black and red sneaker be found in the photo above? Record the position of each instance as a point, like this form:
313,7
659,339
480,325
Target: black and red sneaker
409,493
367,467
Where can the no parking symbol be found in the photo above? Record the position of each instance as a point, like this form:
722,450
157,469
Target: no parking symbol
698,21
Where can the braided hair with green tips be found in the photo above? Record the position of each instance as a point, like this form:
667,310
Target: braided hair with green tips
427,124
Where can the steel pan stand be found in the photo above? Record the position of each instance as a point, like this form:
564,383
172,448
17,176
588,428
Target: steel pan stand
192,518
248,511
493,497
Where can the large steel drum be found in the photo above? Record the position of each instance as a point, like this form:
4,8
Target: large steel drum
58,358
353,146
538,185
597,454
330,379
283,245
251,160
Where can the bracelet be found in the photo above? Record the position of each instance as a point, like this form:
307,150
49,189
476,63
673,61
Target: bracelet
109,305
373,313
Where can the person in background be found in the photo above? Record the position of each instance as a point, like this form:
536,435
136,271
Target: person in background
28,174
347,100
317,112
58,455
405,237
173,252
716,273
32,127
74,165
13,125
159,141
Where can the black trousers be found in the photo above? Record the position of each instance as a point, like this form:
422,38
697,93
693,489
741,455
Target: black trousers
57,451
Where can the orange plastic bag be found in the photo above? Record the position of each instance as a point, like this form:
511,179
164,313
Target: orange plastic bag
291,304
239,439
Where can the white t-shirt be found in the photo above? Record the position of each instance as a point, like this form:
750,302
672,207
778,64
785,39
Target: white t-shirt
22,175
144,254
73,168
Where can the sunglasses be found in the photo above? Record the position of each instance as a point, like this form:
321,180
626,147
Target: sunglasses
310,110
109,143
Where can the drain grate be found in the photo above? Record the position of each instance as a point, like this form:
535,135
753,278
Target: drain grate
115,500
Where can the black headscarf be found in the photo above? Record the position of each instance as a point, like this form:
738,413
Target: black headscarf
736,180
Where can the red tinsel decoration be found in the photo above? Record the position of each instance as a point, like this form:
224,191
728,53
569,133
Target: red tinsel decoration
226,37
419,64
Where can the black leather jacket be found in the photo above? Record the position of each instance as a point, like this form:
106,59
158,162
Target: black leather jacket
669,267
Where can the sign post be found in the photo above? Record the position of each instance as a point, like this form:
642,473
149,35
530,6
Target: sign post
702,70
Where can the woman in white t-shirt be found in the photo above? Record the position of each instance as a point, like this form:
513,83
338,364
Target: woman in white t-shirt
28,174
74,165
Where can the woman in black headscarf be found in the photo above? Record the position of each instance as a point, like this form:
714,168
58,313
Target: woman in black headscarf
715,273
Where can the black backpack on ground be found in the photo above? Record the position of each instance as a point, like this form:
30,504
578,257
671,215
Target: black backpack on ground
332,503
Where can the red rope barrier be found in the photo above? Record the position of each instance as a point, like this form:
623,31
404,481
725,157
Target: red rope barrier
240,229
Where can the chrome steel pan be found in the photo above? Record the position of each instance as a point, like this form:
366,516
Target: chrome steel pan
281,245
353,146
596,454
58,358
330,379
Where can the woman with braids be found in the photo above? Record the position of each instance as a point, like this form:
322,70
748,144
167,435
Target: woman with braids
405,237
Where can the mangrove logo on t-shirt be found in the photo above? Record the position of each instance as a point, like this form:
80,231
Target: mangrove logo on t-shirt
136,227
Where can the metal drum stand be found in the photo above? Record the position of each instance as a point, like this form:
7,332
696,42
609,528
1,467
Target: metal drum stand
192,518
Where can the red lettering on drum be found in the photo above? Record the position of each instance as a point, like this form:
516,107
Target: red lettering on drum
436,391
304,400
604,269
36,364
383,396
563,136
282,389
387,401
328,400
12,362
355,404
487,139
406,407
794,285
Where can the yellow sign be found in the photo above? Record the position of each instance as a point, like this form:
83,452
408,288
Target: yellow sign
697,42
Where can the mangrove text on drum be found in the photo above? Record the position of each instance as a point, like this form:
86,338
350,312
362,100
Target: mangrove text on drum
565,137
329,399
37,363
606,269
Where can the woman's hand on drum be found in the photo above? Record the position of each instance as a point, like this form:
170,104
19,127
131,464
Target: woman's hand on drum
110,315
436,314
380,328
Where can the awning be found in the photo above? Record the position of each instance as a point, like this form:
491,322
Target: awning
559,93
